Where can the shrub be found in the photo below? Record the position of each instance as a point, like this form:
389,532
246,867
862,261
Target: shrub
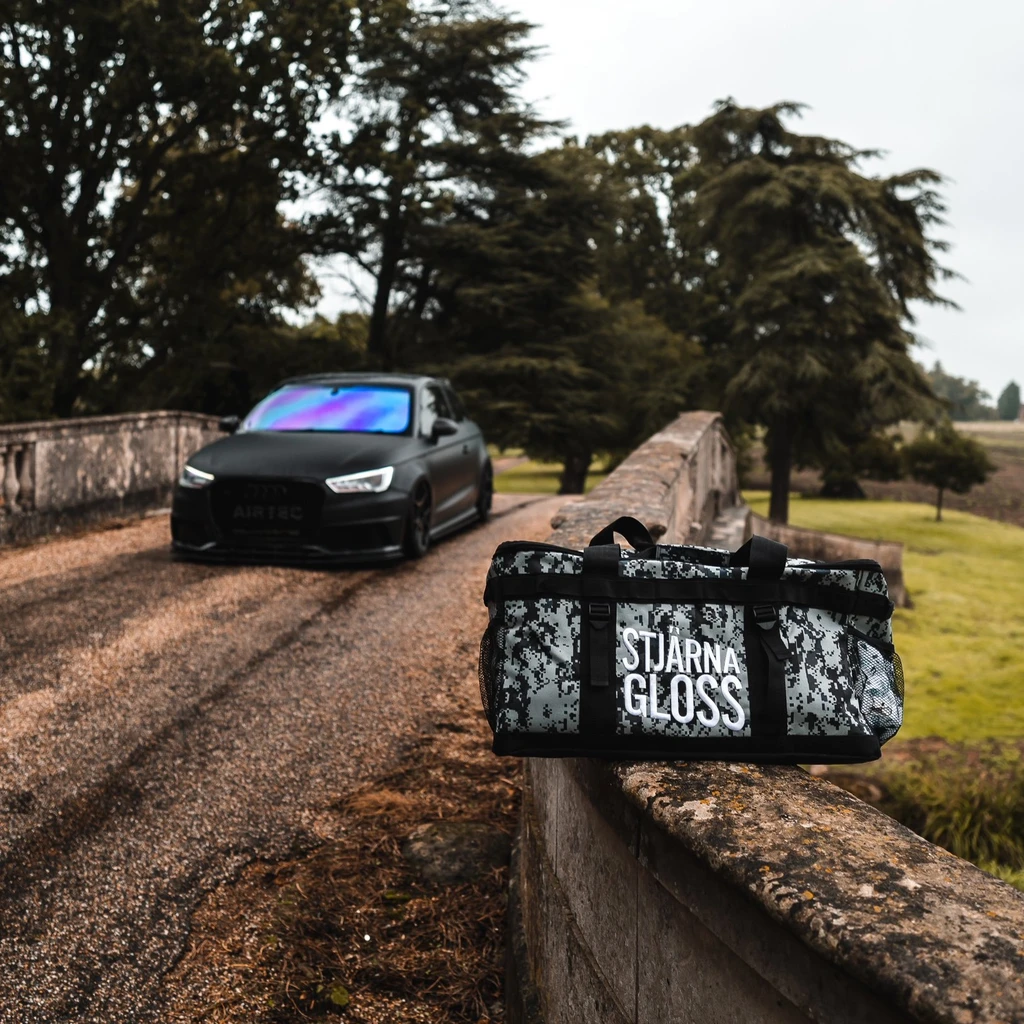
971,802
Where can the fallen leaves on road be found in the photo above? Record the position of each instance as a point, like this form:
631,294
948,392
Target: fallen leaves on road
353,930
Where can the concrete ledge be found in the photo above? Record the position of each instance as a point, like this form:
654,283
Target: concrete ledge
52,429
713,892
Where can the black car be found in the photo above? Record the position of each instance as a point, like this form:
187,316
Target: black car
335,468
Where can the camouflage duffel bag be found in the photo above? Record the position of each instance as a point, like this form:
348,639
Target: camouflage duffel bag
687,652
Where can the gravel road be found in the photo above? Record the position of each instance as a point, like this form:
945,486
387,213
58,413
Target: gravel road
164,724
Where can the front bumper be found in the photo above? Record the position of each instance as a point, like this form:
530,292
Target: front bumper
341,530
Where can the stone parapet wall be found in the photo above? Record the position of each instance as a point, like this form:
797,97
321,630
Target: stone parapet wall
676,483
712,892
837,547
61,473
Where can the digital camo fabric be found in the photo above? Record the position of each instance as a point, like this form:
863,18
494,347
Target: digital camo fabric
636,567
821,692
682,669
873,582
541,667
527,562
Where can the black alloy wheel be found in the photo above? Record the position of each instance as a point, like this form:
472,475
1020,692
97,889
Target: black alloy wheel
485,494
417,525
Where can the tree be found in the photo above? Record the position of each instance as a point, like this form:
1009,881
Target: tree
645,257
433,125
547,362
605,387
964,399
123,127
854,438
199,327
25,380
793,270
820,263
945,459
1009,402
874,457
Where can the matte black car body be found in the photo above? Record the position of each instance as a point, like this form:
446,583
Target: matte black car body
269,500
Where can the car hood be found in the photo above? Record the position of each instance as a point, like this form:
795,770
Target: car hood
266,454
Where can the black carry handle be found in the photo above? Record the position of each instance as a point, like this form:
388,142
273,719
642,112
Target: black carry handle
632,529
766,558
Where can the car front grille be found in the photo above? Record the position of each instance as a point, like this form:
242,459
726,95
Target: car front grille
266,513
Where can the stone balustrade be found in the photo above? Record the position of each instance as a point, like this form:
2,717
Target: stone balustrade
17,477
56,474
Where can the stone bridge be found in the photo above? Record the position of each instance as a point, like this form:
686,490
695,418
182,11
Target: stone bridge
164,724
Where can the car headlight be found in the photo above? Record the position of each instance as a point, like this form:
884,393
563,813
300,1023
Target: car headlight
194,478
371,482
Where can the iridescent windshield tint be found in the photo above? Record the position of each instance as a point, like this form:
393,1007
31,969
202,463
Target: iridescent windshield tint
360,409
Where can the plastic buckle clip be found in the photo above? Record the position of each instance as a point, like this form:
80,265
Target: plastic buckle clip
765,615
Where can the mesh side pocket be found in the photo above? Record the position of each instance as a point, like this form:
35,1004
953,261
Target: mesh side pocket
879,680
491,645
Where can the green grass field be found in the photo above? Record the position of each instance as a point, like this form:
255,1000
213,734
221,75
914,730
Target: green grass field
962,643
537,478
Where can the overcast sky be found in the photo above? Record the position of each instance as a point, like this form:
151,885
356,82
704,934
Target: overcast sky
935,83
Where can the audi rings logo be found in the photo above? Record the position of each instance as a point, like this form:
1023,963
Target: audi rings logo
265,492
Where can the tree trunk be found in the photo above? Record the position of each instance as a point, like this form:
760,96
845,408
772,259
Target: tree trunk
378,343
938,507
392,245
65,393
66,350
780,461
574,473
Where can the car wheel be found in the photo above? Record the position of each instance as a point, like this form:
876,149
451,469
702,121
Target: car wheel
417,524
485,495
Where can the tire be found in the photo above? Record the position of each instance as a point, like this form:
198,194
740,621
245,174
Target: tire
485,496
417,523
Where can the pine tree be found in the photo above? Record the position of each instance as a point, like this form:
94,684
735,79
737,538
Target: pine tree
433,124
546,361
1008,405
820,263
792,268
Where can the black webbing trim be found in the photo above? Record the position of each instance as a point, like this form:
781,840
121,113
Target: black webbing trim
757,678
856,747
598,691
767,655
600,636
710,591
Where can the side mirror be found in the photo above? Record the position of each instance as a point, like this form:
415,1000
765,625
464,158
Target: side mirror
228,424
443,428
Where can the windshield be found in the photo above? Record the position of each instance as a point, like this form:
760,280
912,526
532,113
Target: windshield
361,409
